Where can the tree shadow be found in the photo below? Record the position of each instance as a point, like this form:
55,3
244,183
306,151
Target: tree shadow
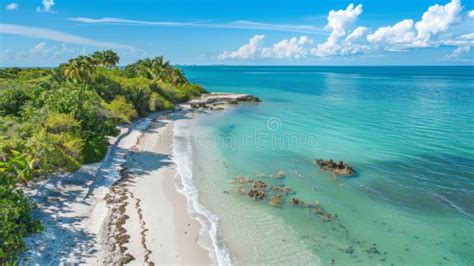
63,240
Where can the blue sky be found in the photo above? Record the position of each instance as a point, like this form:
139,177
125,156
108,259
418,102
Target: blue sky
292,32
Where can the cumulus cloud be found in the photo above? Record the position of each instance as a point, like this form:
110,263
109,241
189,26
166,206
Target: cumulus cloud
356,34
394,38
11,6
437,19
245,51
439,25
458,53
47,7
293,48
407,34
340,23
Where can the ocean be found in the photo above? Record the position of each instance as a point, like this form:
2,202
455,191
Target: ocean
407,131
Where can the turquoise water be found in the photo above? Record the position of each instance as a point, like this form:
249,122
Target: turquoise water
408,132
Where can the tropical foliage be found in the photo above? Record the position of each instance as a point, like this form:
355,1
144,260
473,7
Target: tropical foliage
54,120
15,208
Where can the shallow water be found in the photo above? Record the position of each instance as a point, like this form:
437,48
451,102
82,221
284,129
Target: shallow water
408,132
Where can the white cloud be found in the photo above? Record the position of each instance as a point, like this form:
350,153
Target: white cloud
340,40
394,38
356,34
339,21
47,34
240,24
407,34
11,6
293,48
245,51
40,49
458,53
440,25
47,7
437,19
42,52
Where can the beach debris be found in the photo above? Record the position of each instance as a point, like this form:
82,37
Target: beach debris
278,175
276,200
338,168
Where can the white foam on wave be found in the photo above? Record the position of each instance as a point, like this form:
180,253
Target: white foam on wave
208,235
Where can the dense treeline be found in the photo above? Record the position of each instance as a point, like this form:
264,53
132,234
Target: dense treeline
54,120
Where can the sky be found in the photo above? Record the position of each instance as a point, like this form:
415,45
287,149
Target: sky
244,32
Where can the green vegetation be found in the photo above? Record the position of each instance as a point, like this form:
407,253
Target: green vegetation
54,120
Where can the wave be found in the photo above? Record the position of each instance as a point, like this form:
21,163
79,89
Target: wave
208,235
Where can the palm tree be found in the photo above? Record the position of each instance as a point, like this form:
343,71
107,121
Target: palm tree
177,77
157,69
80,69
106,58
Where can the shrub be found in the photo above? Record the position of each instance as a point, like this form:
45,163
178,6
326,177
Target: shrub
94,150
15,223
12,100
123,109
58,122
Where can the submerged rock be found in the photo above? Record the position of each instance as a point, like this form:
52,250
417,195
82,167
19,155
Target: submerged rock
259,185
338,168
257,194
296,201
243,179
284,190
258,190
276,201
279,174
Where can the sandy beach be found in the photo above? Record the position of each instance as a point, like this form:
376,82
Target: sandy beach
123,210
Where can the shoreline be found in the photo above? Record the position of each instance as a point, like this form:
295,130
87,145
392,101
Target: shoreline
134,206
110,212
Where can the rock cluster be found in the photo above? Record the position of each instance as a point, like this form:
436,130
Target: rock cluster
277,195
217,101
338,168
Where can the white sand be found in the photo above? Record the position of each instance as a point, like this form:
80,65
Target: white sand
83,227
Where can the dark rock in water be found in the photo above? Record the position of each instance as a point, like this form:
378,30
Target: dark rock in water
259,185
296,201
338,168
212,100
256,194
258,190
